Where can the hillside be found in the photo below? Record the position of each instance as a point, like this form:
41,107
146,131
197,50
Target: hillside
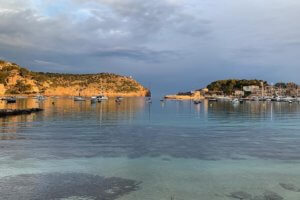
17,80
230,85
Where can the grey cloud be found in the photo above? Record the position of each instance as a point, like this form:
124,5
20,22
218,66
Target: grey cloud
150,17
138,54
27,29
175,38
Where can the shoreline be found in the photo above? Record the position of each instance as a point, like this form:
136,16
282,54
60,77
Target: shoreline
67,96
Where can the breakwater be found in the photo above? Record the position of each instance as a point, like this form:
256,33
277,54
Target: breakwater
9,112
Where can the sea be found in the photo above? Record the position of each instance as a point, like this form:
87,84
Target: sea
164,150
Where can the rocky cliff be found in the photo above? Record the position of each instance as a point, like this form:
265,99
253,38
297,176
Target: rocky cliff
17,80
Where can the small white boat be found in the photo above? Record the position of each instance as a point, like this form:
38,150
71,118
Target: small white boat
39,97
94,99
99,98
235,101
278,99
79,98
288,99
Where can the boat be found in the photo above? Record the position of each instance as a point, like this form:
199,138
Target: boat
288,99
278,99
212,99
102,98
255,98
148,100
40,97
118,99
99,98
197,102
11,100
79,98
94,99
235,101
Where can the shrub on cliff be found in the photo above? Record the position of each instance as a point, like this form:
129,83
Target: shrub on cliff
20,88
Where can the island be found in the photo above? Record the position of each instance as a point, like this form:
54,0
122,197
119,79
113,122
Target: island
240,88
16,80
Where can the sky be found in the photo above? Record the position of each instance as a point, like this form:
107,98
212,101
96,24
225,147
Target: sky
167,45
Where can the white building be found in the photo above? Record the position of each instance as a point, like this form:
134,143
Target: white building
251,88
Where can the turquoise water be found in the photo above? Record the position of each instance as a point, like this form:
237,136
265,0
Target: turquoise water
133,150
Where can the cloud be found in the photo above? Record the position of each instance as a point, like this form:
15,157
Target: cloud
141,54
201,39
129,25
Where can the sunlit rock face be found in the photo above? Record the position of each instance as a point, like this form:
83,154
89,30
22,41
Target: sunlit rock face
21,81
64,186
2,89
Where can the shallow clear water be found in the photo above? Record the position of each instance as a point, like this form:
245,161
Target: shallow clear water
172,150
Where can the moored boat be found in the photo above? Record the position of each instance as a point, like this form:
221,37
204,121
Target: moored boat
99,98
39,97
212,99
118,99
11,100
79,98
235,101
197,102
148,100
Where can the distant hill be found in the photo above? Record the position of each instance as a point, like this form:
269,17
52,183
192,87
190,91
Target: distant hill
230,85
18,80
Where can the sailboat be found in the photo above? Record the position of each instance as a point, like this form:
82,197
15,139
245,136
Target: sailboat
79,98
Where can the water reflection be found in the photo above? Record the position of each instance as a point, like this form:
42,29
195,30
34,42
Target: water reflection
134,128
67,109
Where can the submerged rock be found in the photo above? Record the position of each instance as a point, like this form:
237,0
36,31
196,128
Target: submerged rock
240,195
260,197
289,187
64,186
269,195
